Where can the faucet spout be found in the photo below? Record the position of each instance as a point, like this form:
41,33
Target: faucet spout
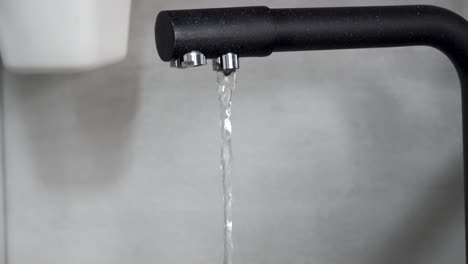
259,31
245,31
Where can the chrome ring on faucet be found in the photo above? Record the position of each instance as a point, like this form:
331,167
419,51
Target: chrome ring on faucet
191,59
226,62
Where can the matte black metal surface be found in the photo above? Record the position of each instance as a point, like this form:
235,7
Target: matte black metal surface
245,31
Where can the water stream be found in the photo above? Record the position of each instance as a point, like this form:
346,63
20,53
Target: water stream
226,86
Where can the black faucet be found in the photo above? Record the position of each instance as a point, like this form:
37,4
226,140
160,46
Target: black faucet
189,37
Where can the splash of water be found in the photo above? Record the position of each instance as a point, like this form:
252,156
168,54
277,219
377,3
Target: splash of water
226,86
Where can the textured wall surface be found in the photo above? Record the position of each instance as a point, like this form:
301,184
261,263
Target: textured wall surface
343,157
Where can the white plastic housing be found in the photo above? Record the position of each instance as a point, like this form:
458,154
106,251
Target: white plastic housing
42,36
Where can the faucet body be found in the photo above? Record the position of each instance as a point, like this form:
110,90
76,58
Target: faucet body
259,31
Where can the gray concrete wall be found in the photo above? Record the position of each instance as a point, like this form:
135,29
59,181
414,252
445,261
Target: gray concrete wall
343,157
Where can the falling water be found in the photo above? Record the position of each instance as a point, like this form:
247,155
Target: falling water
226,86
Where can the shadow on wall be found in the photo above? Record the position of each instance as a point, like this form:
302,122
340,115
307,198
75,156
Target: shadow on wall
3,193
413,234
75,128
403,147
438,204
419,230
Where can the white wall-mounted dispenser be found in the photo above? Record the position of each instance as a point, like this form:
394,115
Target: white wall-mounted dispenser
50,36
